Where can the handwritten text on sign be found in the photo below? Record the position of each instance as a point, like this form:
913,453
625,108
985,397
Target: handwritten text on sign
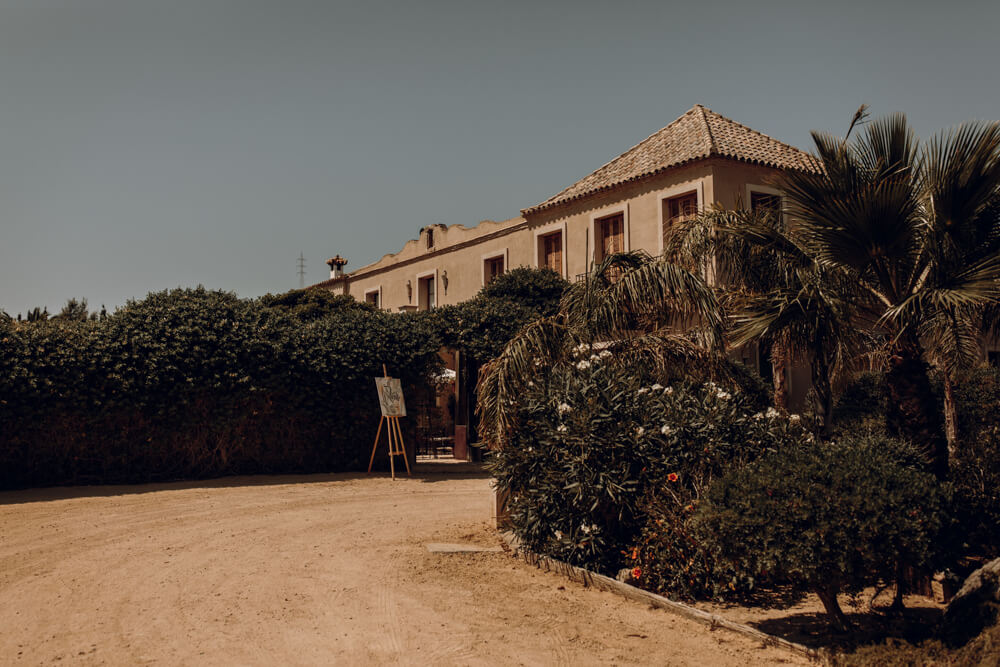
390,397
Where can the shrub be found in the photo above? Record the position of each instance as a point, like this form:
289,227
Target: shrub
860,408
196,383
976,466
536,289
483,325
596,442
831,517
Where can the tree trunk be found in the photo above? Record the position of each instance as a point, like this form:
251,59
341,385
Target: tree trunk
824,392
779,364
912,412
950,414
828,596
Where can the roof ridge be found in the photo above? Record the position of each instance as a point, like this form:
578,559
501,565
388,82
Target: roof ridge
713,149
621,155
751,130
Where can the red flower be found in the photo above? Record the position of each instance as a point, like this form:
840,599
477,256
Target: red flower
636,572
672,477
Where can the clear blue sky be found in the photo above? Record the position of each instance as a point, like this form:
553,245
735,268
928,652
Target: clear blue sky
147,144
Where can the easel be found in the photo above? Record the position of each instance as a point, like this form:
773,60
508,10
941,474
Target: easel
395,435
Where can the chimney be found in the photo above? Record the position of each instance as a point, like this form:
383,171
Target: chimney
336,266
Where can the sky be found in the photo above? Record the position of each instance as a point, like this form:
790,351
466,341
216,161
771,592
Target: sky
151,144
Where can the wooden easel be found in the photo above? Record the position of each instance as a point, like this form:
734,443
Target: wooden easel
395,435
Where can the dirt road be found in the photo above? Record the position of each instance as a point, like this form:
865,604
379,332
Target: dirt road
306,570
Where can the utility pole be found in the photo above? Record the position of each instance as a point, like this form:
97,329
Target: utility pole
302,270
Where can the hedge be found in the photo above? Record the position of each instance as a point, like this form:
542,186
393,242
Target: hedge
192,383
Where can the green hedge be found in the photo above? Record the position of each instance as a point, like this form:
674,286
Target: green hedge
192,383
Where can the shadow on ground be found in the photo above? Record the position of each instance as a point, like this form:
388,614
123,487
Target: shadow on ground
874,627
421,474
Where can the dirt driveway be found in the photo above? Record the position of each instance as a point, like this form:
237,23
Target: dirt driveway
326,569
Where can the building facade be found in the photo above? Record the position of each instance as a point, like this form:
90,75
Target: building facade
699,160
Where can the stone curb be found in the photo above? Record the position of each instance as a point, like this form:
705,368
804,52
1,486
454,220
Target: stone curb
601,582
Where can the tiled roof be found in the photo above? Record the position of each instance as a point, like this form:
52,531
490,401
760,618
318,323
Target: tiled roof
699,133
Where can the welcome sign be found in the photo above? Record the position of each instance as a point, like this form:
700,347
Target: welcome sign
390,397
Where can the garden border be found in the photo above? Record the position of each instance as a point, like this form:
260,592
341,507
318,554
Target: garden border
604,583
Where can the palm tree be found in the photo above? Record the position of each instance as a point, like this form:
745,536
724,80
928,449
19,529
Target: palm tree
915,232
650,310
776,295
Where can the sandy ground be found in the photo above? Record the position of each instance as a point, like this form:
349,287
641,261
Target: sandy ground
307,570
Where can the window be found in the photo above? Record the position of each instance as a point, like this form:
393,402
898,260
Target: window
550,251
678,209
372,297
492,268
610,235
425,293
765,201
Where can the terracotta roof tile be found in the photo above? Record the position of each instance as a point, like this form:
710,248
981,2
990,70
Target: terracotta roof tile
699,133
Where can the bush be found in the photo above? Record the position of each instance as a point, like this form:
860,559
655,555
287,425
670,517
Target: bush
196,383
536,289
483,325
596,443
976,467
831,517
860,408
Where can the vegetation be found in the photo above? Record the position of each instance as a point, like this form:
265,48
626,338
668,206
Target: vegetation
595,443
832,517
195,383
630,298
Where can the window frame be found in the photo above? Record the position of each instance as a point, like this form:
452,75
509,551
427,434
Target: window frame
673,192
546,231
431,276
377,291
497,254
601,216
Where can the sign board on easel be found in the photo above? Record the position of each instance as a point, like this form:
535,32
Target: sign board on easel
390,398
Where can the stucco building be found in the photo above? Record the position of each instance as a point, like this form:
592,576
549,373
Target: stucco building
702,158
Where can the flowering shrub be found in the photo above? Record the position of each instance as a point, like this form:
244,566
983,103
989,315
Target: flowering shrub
598,446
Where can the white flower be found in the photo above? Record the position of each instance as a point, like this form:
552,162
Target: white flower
639,432
666,430
585,529
604,354
558,534
563,408
583,365
795,419
724,395
642,390
530,383
771,413
562,428
656,387
538,363
668,390
759,416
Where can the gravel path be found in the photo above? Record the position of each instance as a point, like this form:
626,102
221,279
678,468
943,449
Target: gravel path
323,569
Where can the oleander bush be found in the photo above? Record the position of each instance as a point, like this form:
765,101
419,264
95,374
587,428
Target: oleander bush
832,517
596,442
192,383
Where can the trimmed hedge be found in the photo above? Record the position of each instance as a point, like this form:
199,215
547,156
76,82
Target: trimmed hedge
192,383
